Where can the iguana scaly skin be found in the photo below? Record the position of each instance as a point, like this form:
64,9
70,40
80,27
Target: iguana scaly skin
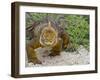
46,35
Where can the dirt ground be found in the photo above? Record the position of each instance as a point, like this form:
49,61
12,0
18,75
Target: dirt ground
79,57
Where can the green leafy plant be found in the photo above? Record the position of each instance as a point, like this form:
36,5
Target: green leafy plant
78,29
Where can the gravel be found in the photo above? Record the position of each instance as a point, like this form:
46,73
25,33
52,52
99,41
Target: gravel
79,57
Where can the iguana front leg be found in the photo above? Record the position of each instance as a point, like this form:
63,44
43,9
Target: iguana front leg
57,48
31,53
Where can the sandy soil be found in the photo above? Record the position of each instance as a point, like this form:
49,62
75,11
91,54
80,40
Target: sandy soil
79,57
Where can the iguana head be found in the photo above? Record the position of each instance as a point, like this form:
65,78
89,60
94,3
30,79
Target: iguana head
48,36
